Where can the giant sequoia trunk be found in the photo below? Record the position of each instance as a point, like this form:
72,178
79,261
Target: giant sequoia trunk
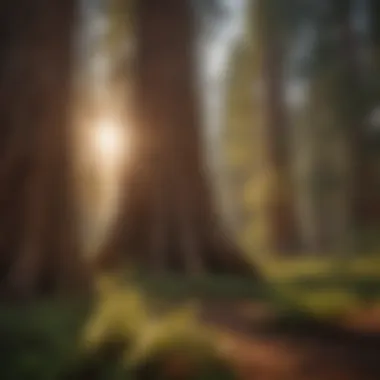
168,222
38,246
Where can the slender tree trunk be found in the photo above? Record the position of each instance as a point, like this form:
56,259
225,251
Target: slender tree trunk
168,222
374,17
371,212
334,172
281,211
354,108
38,245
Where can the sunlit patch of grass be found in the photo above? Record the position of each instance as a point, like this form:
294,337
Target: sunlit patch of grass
291,268
124,314
325,300
366,266
325,286
120,312
327,304
121,335
178,330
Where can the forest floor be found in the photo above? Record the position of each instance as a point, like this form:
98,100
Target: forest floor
348,349
287,332
340,342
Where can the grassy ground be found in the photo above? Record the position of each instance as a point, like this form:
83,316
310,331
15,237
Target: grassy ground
157,329
288,269
123,335
319,285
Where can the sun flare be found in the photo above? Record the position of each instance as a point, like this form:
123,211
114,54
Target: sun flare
109,141
104,147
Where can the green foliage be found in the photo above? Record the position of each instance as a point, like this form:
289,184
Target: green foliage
123,339
38,342
124,313
146,342
130,334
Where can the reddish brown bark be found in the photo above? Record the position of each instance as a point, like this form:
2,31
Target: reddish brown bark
168,222
38,245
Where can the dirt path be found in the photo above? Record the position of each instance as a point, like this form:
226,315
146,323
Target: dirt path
313,352
281,359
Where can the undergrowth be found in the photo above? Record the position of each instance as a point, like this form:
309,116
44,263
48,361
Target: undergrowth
124,335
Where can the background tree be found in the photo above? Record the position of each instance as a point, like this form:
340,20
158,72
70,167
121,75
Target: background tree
325,175
322,142
337,193
371,140
38,244
244,142
271,30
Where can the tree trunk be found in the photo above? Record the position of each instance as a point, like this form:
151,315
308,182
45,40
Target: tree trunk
370,213
374,19
281,213
354,107
168,222
324,171
38,245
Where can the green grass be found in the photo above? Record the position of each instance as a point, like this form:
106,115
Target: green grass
285,269
131,329
121,336
39,341
321,286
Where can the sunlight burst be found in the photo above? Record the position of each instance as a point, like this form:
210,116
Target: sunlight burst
109,141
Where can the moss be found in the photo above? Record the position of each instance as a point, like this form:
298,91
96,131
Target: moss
125,334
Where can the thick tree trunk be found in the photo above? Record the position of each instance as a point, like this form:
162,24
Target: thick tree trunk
168,222
38,233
